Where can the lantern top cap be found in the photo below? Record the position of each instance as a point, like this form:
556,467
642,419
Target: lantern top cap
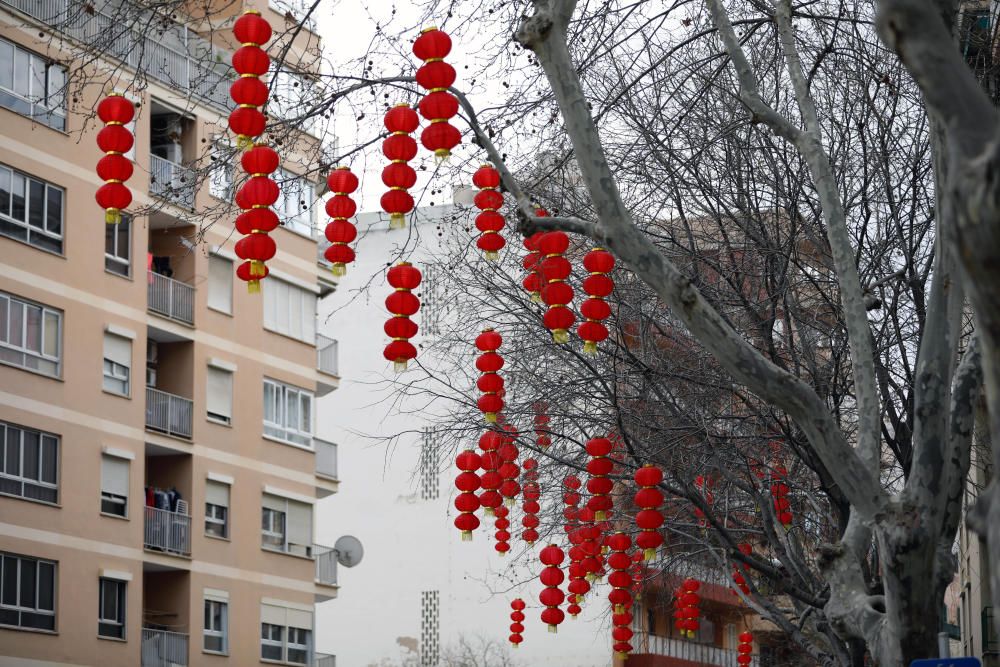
403,264
251,11
115,93
430,28
401,105
342,167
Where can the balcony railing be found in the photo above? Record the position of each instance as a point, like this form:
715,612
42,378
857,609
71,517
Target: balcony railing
171,181
702,654
326,352
169,532
326,565
168,414
323,660
326,458
164,649
991,638
170,298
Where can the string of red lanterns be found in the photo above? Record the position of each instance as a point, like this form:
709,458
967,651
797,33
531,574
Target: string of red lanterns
517,622
532,282
466,502
705,489
490,499
531,493
438,106
402,303
649,519
541,421
571,498
255,197
502,525
687,611
399,147
599,485
552,596
509,469
740,570
620,596
114,168
591,544
745,649
340,231
779,492
556,292
251,62
489,383
598,286
489,221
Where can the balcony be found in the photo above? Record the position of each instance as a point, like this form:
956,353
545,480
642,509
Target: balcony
327,363
991,638
164,649
326,565
172,182
169,532
168,414
323,660
170,298
326,458
651,649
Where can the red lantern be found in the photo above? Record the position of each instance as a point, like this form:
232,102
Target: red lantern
466,501
597,262
114,168
398,176
686,602
744,649
780,491
551,596
509,470
556,292
649,499
404,277
489,201
599,485
490,382
256,196
531,493
502,534
250,62
621,593
340,231
490,499
517,621
439,106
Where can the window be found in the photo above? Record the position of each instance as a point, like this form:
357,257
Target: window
272,644
288,413
216,631
111,609
219,402
289,310
286,634
29,467
220,284
294,205
31,210
30,335
118,247
114,485
32,86
286,525
298,645
220,172
117,364
27,593
217,509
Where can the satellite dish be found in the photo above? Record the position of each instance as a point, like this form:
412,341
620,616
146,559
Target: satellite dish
349,550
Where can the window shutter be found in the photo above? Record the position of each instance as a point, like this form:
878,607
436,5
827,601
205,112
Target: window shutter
114,475
220,392
300,525
220,283
118,349
274,615
274,502
217,493
298,618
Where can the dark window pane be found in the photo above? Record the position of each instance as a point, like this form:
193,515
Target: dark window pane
8,228
9,617
109,239
4,191
8,590
36,204
18,186
269,652
46,243
124,229
50,458
6,65
38,621
13,459
31,447
53,212
47,586
29,571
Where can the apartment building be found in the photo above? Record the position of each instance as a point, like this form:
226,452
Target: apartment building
160,467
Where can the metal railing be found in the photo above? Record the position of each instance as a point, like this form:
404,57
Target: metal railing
326,458
326,565
170,298
702,654
323,660
168,531
164,649
168,414
171,181
991,638
326,353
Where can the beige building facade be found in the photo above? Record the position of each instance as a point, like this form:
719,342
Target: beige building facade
159,470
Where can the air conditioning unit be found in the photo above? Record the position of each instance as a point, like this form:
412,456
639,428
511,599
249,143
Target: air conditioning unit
152,351
151,377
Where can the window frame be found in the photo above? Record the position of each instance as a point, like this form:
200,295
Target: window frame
30,231
114,498
23,609
6,299
270,641
216,417
49,110
267,529
222,633
121,603
294,190
210,518
115,258
282,321
117,375
280,430
297,646
20,477
214,257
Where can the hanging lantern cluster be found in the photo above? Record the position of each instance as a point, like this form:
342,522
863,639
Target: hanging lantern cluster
598,286
516,622
490,383
340,231
255,197
599,485
705,489
621,592
591,543
531,493
637,571
490,499
571,497
556,292
649,519
541,421
578,585
532,282
399,147
552,596
502,534
779,492
403,304
114,168
251,62
740,571
744,649
687,609
438,106
509,469
489,221
466,502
